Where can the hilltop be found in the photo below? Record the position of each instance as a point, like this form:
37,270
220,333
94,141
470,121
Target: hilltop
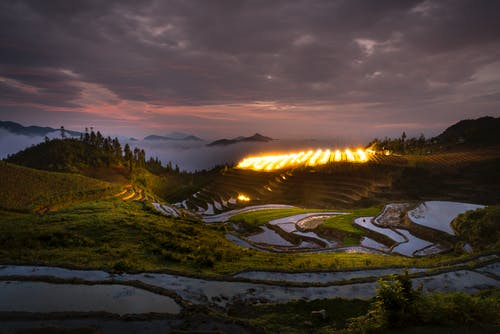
255,138
465,134
482,131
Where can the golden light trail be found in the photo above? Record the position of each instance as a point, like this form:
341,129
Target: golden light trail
243,198
338,155
309,158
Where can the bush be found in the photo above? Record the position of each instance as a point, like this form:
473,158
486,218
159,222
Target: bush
480,228
398,305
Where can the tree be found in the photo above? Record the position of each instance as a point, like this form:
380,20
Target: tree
117,148
403,142
63,132
128,155
421,143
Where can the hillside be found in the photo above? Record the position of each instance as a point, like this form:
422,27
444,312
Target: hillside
477,132
102,158
470,176
69,155
26,189
255,138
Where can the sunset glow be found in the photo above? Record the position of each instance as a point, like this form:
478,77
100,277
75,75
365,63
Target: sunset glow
309,158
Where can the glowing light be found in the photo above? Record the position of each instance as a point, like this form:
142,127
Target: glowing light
243,198
361,155
349,155
309,158
338,155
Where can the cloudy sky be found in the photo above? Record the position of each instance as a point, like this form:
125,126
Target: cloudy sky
287,69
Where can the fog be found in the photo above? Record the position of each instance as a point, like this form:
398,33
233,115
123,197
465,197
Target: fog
11,143
189,155
193,156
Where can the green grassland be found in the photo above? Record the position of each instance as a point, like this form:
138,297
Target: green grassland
26,189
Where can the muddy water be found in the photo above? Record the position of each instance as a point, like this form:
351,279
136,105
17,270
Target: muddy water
370,243
439,214
412,245
269,237
41,297
366,222
224,292
322,277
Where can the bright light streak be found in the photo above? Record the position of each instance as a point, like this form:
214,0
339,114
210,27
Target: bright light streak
361,155
243,198
349,155
338,155
324,159
309,158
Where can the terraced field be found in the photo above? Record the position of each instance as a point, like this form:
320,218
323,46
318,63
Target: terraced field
131,193
339,187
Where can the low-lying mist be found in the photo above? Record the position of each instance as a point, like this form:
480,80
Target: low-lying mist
189,155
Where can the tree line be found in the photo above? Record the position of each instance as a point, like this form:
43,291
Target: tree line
91,149
404,145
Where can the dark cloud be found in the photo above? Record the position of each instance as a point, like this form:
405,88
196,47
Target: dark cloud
380,59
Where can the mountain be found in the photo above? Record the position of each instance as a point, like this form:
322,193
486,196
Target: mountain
174,136
255,138
31,131
481,131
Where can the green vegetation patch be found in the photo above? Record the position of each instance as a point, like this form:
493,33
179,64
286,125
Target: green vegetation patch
399,307
261,217
345,222
298,317
25,189
480,228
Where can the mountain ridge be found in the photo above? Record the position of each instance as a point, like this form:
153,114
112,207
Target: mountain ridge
187,137
257,137
32,130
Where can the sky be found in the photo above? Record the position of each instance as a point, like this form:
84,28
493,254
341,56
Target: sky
286,69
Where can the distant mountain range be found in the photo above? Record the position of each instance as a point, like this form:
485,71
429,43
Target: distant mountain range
174,136
32,131
255,138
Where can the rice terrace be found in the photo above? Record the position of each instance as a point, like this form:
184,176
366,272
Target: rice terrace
368,202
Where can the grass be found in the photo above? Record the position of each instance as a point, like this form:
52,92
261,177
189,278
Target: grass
295,316
26,189
345,222
113,234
